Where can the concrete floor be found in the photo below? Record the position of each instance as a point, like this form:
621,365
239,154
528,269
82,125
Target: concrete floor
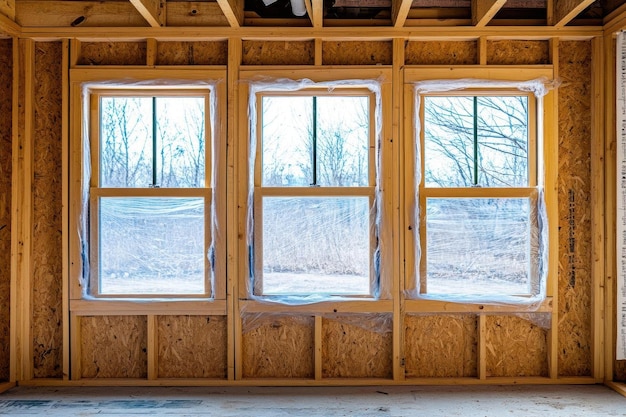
497,401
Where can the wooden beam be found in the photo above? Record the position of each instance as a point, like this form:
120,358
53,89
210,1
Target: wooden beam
566,10
317,9
484,10
399,12
78,14
151,10
233,10
289,33
194,14
8,26
7,8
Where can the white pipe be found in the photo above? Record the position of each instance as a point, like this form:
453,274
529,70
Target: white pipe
298,8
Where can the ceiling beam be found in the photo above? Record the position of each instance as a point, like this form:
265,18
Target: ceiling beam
68,14
317,8
566,10
193,14
9,27
7,8
233,10
151,10
399,12
484,10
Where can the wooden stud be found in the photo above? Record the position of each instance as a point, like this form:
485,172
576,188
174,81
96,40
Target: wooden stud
484,10
597,205
317,8
75,347
610,198
65,128
234,212
318,347
482,347
15,318
482,50
319,45
151,52
233,10
395,207
153,347
566,10
151,10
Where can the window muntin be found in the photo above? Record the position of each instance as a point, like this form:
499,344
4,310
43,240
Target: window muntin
150,198
478,197
314,193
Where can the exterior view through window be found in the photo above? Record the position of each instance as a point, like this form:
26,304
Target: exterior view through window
314,193
478,194
150,195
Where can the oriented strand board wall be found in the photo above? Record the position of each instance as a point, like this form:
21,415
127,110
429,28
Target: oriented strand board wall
441,53
192,53
278,346
114,347
278,53
441,345
113,53
357,53
357,346
516,346
192,346
6,78
510,52
574,187
47,325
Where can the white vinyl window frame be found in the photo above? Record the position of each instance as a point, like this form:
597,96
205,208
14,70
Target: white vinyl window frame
458,81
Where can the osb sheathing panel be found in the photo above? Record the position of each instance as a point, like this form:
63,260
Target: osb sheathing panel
357,53
574,194
441,345
357,347
192,346
112,53
278,347
515,347
192,53
47,255
6,63
278,53
441,53
114,347
510,52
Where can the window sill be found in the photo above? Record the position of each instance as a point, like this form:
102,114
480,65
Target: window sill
117,307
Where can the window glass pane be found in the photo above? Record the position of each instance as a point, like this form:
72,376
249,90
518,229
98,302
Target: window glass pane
487,147
286,141
316,245
151,245
503,141
342,141
478,245
315,141
125,141
180,142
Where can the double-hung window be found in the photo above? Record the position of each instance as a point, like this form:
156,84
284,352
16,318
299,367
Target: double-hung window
314,193
478,196
150,193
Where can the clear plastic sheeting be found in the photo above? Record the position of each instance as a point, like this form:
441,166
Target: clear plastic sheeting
479,248
148,245
314,200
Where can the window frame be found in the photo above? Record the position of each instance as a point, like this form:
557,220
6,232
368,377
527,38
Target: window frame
319,191
82,82
465,81
376,78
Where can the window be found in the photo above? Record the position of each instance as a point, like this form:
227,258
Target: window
314,193
478,197
150,195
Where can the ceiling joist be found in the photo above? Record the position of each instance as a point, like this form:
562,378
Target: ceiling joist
484,10
233,10
151,10
317,12
70,14
8,26
566,10
399,12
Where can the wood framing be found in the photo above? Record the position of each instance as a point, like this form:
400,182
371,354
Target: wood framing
566,10
151,10
233,10
484,10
